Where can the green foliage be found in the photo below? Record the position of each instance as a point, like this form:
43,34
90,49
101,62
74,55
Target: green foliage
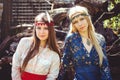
111,5
113,22
117,1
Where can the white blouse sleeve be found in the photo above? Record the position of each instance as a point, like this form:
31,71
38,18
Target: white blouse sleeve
54,69
16,60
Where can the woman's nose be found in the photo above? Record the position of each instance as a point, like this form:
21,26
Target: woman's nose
42,31
79,23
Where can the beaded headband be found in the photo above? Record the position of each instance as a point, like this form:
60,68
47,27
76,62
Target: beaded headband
78,16
44,23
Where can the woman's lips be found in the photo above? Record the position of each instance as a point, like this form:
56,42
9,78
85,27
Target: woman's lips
82,27
42,35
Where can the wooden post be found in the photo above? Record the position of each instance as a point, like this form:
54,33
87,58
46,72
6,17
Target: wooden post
6,19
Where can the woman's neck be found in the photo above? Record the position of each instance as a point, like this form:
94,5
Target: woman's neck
84,34
42,44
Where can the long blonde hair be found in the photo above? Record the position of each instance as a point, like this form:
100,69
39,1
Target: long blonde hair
91,29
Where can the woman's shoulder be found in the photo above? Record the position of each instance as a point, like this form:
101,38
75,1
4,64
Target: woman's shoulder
26,39
100,37
71,36
53,53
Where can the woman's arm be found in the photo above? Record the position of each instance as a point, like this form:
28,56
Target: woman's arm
22,47
16,62
54,68
66,60
105,70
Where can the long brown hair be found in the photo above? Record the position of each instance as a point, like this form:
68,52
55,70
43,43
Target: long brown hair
51,41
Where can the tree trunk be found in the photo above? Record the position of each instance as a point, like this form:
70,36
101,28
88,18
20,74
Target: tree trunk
6,19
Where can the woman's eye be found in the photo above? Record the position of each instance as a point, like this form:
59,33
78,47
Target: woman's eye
46,28
82,19
38,28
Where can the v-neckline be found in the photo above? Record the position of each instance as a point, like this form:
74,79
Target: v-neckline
86,49
88,53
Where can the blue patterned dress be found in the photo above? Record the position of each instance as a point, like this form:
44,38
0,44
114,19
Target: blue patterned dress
86,65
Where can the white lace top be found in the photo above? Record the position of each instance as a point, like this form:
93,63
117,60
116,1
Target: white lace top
46,62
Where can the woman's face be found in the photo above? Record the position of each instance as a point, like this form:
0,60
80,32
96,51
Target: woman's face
42,31
79,22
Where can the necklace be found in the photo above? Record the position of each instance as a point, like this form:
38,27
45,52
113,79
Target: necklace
88,42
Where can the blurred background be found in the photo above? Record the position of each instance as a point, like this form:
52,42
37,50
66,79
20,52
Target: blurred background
17,19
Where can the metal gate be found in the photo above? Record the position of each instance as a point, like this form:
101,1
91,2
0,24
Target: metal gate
24,11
